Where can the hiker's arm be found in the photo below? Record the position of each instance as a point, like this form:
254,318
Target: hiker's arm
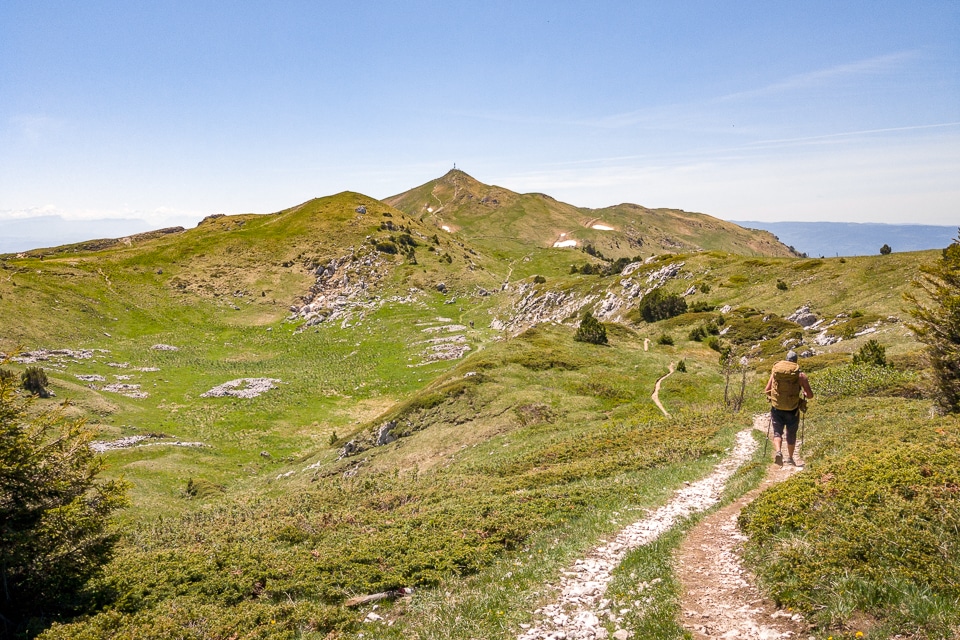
805,385
769,386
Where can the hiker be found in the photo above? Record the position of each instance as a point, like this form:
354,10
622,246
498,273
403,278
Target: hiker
787,390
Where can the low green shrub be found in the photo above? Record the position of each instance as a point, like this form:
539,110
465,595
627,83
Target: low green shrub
875,533
665,339
657,305
871,353
860,380
591,330
34,380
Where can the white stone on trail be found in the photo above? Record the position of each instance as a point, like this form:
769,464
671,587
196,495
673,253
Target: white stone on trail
575,613
242,388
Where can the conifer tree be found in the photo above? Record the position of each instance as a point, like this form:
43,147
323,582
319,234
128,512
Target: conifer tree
54,532
937,322
591,330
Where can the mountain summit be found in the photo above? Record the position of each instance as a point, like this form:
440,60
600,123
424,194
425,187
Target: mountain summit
499,218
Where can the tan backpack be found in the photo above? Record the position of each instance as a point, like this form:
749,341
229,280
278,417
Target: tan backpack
785,392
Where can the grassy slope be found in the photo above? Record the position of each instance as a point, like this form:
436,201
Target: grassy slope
521,465
497,218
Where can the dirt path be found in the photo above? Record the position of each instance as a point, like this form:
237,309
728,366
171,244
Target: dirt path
580,603
720,599
656,391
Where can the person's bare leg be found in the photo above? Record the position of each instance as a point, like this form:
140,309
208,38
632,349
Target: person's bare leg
777,455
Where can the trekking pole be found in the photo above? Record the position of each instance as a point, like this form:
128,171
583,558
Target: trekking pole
767,438
803,423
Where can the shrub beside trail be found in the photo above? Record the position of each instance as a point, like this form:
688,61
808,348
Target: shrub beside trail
868,536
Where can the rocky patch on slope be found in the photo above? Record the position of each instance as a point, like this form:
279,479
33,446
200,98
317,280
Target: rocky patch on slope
443,347
345,290
535,307
102,446
242,388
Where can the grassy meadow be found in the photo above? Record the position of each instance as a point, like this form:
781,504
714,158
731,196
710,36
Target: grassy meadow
509,462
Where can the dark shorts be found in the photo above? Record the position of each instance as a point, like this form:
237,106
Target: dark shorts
788,419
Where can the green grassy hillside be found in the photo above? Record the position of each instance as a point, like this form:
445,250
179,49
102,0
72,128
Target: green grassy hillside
454,439
508,222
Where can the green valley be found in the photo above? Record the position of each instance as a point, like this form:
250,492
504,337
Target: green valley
409,410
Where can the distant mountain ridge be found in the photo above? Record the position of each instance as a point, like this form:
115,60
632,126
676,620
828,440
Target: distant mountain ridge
499,221
831,239
496,217
23,234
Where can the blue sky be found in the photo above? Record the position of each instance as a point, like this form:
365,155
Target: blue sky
170,111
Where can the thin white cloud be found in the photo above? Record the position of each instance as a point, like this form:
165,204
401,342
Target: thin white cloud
849,134
34,128
888,180
679,115
30,212
870,66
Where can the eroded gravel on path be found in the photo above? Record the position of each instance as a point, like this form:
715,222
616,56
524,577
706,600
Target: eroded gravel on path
720,599
580,606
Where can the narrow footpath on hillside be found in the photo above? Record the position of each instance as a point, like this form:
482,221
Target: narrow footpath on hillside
719,598
580,604
656,390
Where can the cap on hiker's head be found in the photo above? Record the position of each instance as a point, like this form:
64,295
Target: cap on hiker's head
791,356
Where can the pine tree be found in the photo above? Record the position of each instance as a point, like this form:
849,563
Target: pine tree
54,512
871,353
937,322
591,330
34,380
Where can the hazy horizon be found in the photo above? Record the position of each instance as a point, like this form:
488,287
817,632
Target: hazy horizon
174,111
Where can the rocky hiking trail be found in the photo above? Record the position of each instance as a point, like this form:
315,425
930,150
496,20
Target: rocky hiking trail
719,597
719,600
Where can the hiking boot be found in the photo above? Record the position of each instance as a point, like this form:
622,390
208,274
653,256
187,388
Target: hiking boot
778,459
791,462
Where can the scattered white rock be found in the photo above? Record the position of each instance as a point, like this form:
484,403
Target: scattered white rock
90,377
43,355
803,317
630,268
101,446
242,388
824,339
574,613
124,389
165,347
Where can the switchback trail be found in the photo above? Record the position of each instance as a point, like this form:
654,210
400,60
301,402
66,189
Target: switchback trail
580,603
719,597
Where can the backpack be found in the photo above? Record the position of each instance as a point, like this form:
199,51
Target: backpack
785,392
